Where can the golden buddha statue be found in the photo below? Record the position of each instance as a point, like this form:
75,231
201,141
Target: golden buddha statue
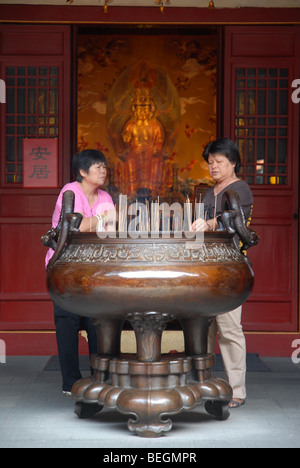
143,137
143,116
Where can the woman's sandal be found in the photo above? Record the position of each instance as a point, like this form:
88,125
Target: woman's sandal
236,404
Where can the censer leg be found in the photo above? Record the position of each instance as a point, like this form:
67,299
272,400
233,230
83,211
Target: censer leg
215,393
219,409
195,335
148,328
109,336
86,390
86,410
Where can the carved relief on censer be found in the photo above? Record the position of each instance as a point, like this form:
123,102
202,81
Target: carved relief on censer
150,282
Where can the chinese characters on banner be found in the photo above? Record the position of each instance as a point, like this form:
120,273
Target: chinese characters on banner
40,162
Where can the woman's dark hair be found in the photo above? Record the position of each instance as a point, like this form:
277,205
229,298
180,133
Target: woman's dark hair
226,147
84,160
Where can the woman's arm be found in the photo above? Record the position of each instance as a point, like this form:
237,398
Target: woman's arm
88,224
108,222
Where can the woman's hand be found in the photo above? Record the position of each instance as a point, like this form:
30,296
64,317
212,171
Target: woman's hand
201,225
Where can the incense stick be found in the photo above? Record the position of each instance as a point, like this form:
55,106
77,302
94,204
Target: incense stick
215,212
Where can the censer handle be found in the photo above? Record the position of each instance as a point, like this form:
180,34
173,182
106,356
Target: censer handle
234,221
69,221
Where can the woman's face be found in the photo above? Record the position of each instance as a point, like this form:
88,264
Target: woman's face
96,175
220,168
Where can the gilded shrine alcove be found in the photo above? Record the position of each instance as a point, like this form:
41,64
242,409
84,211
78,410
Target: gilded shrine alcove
147,99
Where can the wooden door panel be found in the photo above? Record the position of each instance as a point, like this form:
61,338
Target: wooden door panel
35,63
276,241
279,206
259,115
250,42
26,314
271,304
22,255
24,299
28,40
268,316
27,204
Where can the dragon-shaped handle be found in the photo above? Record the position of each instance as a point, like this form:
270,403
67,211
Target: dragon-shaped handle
69,221
233,220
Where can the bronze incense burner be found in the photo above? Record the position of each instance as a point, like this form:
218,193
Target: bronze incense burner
149,283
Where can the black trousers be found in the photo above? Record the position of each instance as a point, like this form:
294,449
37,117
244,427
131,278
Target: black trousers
67,328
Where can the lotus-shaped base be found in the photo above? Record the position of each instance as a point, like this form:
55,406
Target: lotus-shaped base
151,392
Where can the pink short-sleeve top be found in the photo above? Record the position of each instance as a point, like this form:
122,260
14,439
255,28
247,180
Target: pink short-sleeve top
81,205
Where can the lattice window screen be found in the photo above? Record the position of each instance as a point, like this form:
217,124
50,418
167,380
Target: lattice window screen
261,123
31,112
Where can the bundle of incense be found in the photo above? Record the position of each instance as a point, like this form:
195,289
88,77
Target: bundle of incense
197,208
189,214
154,217
122,213
143,217
136,217
148,216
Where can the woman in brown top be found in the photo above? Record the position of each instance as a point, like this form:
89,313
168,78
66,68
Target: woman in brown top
224,162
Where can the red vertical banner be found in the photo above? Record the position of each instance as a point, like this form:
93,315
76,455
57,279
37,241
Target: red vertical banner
40,162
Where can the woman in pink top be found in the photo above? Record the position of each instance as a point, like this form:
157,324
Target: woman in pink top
89,168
